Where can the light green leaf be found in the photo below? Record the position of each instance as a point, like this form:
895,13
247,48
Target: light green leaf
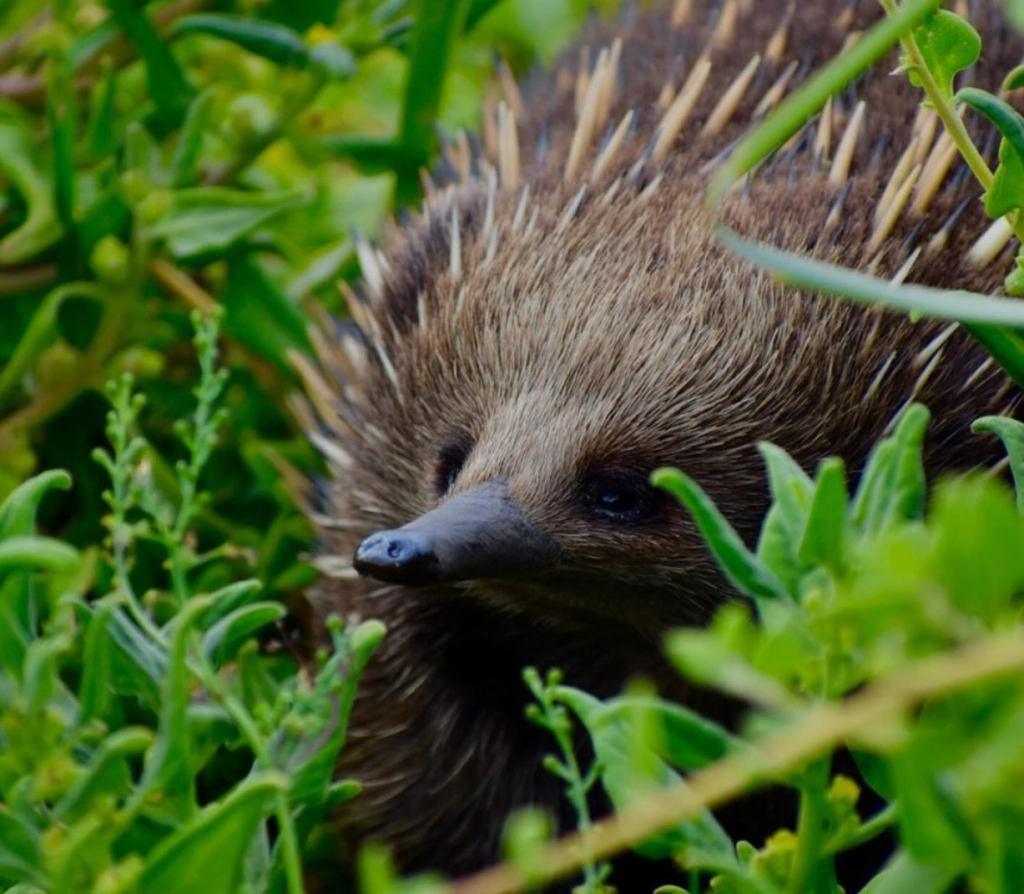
208,853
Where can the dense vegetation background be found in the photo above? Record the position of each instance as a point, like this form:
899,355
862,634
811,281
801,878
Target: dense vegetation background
179,183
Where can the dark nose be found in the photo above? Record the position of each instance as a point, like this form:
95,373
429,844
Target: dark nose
397,557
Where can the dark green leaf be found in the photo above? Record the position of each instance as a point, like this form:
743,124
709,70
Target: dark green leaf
20,857
18,511
1011,433
167,85
438,24
278,327
278,43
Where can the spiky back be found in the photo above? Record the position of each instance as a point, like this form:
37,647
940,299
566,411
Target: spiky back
563,303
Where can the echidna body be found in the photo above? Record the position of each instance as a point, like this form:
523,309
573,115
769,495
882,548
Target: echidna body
561,321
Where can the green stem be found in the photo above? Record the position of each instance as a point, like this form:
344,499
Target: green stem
811,859
946,112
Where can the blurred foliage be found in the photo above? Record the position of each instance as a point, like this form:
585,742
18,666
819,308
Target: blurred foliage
157,158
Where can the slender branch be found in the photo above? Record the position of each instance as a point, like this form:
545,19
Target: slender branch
821,730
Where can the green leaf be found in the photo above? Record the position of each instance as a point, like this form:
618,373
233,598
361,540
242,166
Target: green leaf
948,45
1007,191
186,150
167,85
19,162
208,854
622,732
974,520
903,874
169,765
933,828
222,640
96,689
892,487
438,24
207,220
741,567
42,553
1011,433
278,326
1014,80
825,532
278,43
984,316
792,491
106,775
20,857
18,511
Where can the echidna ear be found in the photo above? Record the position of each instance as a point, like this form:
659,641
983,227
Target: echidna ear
479,533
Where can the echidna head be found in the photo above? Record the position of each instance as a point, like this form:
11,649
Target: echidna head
509,416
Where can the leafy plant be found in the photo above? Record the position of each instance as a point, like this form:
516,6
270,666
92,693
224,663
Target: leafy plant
115,710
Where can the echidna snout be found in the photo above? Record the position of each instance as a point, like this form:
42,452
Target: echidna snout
479,533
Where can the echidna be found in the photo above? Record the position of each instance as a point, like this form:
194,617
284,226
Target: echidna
559,321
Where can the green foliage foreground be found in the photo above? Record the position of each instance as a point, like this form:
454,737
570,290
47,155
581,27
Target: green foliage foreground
157,731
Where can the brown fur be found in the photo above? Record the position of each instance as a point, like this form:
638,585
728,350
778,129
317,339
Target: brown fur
614,333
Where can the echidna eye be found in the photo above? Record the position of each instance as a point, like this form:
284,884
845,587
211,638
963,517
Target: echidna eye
450,460
622,496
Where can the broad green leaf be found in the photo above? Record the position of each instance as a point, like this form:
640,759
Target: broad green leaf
21,859
208,220
825,531
311,759
933,828
1011,433
227,599
948,45
1014,80
741,567
223,638
979,546
1004,857
38,336
208,853
903,874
